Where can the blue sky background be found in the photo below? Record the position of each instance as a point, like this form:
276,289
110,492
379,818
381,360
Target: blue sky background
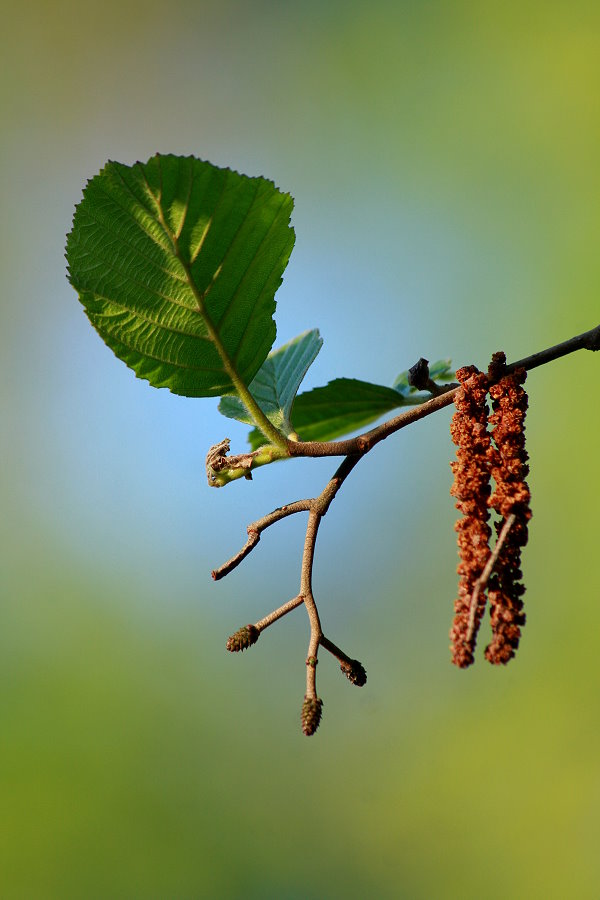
443,161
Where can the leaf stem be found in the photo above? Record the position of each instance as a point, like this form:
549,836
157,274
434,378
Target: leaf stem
242,390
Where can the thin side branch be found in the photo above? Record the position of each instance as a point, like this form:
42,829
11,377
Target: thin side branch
253,539
278,613
483,579
309,602
254,531
335,650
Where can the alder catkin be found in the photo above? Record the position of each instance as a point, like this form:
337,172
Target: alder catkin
511,497
471,488
312,708
243,638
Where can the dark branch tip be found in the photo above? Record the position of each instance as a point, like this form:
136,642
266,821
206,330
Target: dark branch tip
418,375
497,366
593,342
355,672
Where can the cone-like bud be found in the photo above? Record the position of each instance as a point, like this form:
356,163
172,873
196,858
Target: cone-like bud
311,714
243,638
354,672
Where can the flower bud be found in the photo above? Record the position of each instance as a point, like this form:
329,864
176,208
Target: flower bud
311,714
354,672
243,638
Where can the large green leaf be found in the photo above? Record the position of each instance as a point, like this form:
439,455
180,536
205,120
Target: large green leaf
277,381
176,263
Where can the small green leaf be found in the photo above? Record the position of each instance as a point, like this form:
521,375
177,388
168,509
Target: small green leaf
441,370
346,405
276,383
177,263
343,405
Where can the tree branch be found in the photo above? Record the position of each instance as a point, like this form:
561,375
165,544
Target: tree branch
278,613
353,450
589,340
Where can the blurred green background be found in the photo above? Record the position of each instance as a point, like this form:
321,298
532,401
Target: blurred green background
444,162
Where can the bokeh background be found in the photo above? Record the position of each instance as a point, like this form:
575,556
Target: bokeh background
444,162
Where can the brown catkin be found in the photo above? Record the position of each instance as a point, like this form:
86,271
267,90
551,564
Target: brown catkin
310,716
471,488
511,497
243,638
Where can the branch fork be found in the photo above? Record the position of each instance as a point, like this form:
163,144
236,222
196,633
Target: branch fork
222,468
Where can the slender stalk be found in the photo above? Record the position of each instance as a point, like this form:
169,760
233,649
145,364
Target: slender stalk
242,390
589,340
278,613
306,581
483,579
311,607
254,531
335,650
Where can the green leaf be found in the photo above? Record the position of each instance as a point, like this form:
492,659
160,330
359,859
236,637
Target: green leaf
346,405
441,370
343,405
177,263
276,383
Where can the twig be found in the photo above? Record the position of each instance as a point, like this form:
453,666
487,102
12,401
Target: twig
483,579
253,539
589,340
335,650
316,632
254,531
318,504
278,613
353,450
